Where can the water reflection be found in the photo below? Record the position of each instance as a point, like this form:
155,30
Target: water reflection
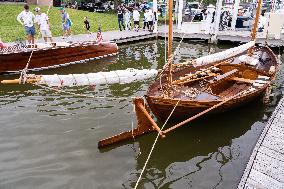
49,139
213,143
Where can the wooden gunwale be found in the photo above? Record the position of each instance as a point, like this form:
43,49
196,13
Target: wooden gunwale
55,56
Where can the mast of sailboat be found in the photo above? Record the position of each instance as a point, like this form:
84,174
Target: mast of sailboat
255,25
170,41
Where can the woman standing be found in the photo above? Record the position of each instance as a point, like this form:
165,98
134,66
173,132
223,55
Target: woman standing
66,23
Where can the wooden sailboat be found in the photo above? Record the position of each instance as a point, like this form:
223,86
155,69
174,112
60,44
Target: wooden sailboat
212,84
53,55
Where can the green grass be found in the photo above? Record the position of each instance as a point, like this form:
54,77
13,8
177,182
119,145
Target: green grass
11,29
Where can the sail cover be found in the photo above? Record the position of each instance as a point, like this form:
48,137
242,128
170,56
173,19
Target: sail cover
223,55
112,77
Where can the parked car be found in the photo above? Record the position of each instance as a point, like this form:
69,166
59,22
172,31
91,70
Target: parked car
82,6
98,7
90,7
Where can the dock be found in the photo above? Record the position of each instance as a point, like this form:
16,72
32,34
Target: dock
119,37
265,168
237,36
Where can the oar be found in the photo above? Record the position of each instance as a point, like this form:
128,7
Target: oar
199,114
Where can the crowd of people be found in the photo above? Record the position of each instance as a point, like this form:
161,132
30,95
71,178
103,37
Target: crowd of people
39,20
128,19
126,15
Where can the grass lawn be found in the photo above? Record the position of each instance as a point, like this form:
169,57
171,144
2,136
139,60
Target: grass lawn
11,29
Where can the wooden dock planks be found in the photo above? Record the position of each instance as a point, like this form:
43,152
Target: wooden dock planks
265,168
232,36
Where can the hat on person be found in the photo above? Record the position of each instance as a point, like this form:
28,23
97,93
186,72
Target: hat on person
37,9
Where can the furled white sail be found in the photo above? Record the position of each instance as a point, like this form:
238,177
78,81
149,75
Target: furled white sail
112,77
223,55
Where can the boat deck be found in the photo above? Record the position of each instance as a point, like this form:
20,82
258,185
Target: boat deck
265,168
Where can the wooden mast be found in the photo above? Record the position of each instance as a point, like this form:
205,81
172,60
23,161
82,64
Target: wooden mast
170,41
255,25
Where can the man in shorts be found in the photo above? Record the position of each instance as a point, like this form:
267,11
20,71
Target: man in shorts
136,19
26,18
43,23
150,17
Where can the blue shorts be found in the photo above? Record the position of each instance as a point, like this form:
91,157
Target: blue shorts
30,30
65,26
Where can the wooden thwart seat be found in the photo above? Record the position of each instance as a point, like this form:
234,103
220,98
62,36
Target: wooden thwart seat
225,76
243,80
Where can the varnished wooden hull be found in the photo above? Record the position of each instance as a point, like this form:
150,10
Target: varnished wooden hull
55,57
162,107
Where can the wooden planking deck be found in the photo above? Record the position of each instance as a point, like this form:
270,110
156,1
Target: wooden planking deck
265,168
240,36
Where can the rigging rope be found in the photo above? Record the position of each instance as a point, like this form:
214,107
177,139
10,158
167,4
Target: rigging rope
166,64
23,76
151,151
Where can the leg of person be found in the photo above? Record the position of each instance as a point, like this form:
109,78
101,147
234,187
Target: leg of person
27,34
32,32
64,30
123,24
119,23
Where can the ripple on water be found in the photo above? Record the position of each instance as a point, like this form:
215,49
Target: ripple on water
49,139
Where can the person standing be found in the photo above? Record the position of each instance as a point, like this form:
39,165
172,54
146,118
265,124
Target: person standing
127,19
87,25
120,17
224,21
66,23
210,14
145,20
150,18
26,18
43,23
136,19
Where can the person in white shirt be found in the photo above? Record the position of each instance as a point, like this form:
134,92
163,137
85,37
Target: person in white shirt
26,18
43,23
136,19
145,20
150,18
127,17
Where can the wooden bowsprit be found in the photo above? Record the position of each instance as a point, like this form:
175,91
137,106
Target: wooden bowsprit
146,124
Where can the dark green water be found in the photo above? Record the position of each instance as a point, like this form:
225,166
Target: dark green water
49,139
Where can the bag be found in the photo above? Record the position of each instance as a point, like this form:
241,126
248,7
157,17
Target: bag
69,22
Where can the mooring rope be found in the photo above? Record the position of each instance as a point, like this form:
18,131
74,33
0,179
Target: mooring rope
23,75
151,151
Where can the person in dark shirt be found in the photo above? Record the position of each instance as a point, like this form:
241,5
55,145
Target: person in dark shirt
120,17
87,25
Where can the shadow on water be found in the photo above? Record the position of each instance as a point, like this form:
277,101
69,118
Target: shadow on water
178,158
